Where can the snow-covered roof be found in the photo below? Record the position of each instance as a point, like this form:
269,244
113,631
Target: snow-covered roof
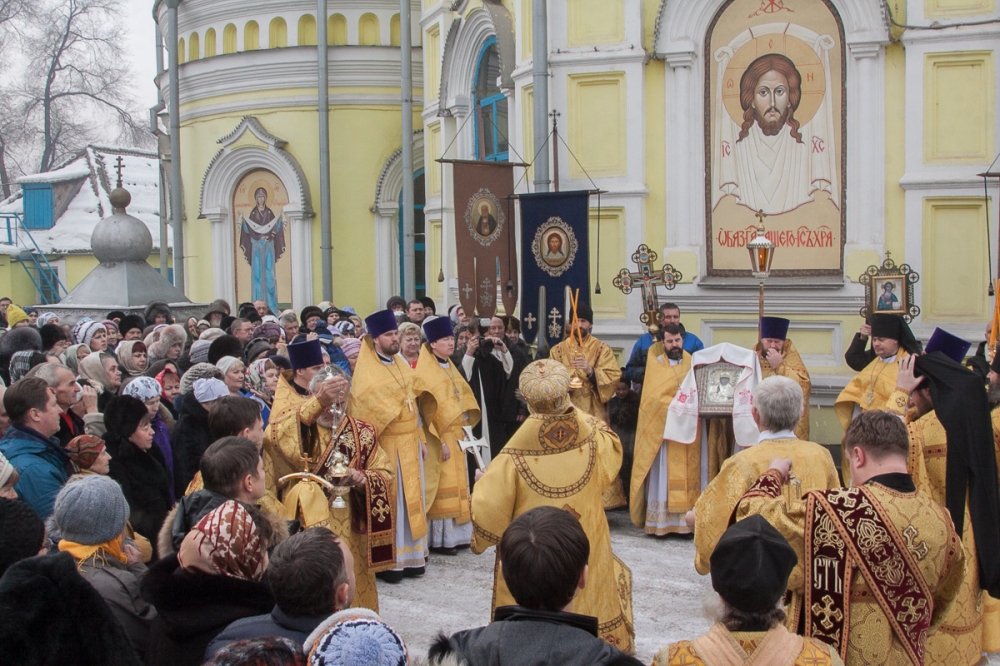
72,230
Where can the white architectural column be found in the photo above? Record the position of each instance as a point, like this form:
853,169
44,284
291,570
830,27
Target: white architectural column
302,268
866,147
681,151
223,255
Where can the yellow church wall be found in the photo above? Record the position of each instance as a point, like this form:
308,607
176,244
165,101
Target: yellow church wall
432,150
15,283
952,290
610,303
959,89
432,58
956,8
435,289
656,159
528,131
596,118
595,22
895,152
526,27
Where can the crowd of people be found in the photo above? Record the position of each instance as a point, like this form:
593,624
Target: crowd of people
235,488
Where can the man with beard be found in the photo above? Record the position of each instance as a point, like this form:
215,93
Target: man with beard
779,358
667,364
953,459
383,395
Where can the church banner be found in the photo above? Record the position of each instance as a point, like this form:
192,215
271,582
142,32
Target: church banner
484,237
774,93
555,255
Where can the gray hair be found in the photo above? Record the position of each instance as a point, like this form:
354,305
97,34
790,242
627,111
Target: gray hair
778,401
328,372
49,372
288,318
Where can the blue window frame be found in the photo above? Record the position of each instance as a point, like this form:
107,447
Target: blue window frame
490,105
419,238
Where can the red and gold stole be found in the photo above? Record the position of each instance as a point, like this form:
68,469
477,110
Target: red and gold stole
847,528
371,511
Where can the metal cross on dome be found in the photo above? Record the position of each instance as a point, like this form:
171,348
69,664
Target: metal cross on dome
646,278
119,165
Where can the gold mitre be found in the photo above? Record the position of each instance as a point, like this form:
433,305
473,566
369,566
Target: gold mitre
544,385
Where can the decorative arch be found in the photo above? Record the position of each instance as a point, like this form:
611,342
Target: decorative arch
246,148
229,39
386,210
181,51
394,34
277,34
465,42
210,47
307,30
194,47
336,30
369,31
680,36
251,36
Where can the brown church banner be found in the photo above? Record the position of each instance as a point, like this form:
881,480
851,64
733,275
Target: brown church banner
775,137
484,236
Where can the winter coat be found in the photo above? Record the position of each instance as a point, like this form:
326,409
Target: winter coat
524,637
51,615
145,483
119,586
193,608
275,623
161,440
71,425
185,515
43,464
191,438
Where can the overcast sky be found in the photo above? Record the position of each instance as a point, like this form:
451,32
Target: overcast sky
141,38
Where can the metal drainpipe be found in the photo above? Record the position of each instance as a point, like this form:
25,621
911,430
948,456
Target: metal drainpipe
540,91
406,49
154,128
323,92
176,185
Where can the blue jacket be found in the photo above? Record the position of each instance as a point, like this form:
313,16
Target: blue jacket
42,464
635,369
275,623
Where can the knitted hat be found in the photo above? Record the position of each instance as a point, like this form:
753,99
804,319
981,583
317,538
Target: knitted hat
267,330
381,322
775,328
84,331
6,470
226,363
225,345
304,355
324,333
45,318
355,636
91,511
207,390
123,415
21,532
142,388
254,349
751,564
196,372
83,450
130,323
351,346
109,324
15,315
438,328
346,328
199,351
21,339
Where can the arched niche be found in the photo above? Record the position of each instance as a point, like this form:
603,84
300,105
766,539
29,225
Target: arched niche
247,148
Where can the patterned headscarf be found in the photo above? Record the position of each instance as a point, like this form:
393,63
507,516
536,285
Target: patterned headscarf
160,378
143,388
69,357
20,363
226,542
84,450
46,317
256,381
124,353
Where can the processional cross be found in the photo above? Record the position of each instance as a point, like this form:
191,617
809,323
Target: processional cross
647,279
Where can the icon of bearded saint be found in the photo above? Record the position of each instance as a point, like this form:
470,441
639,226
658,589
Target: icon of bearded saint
771,161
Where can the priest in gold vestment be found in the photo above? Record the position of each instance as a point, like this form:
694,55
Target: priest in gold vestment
883,561
446,405
971,625
777,406
781,359
892,341
666,476
750,569
383,395
564,458
304,436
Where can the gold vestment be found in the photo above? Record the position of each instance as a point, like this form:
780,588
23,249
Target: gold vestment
793,368
446,404
721,647
566,461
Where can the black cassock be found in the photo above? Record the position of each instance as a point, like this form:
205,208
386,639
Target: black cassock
489,383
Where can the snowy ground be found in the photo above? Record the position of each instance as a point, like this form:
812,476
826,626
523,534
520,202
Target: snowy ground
455,593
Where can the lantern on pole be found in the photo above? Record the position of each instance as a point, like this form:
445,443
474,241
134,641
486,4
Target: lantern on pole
761,255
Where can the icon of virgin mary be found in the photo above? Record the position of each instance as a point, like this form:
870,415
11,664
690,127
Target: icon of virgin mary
262,239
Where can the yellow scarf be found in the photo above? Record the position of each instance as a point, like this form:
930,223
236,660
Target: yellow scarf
82,553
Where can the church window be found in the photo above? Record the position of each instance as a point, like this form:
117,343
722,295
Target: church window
419,238
368,31
251,36
490,106
394,38
229,39
210,43
278,34
307,30
336,30
181,51
194,47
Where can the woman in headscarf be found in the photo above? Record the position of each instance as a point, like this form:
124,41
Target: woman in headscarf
351,348
261,381
112,331
133,358
21,362
213,580
101,371
148,390
170,387
48,318
191,326
136,463
73,355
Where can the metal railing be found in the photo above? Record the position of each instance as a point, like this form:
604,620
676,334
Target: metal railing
45,278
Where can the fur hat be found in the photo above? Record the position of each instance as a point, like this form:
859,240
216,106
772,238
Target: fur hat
225,345
51,334
158,308
21,532
15,315
130,322
91,511
123,415
169,336
21,339
196,372
310,311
